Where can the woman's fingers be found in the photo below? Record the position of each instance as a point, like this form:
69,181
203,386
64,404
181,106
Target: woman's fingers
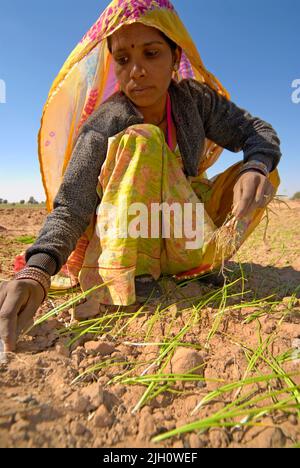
25,317
19,300
237,195
2,293
8,323
26,313
265,193
244,197
4,334
246,202
260,193
252,191
16,298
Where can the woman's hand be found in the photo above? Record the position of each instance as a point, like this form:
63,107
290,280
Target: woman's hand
251,191
19,300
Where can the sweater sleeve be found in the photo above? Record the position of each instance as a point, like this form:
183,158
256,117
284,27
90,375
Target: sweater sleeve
234,128
74,205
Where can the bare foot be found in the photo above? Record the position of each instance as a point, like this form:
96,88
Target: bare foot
88,309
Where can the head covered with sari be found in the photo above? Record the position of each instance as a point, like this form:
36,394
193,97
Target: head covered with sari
87,79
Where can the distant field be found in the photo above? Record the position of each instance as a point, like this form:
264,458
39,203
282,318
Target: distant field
20,205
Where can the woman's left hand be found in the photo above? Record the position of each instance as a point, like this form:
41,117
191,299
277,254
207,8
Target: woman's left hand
251,191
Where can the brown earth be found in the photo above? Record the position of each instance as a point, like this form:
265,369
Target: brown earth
39,406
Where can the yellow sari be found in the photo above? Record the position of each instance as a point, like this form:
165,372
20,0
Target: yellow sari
86,80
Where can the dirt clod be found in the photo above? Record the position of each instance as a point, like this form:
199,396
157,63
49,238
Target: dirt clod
99,347
218,438
78,402
102,417
77,429
184,361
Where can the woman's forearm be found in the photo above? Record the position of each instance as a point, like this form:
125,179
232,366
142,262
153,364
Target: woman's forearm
74,205
234,128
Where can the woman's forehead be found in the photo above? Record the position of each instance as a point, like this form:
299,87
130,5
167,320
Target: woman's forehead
135,35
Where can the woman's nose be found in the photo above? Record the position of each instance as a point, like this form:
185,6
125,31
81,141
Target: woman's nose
137,71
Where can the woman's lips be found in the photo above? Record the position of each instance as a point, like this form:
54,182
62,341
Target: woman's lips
141,90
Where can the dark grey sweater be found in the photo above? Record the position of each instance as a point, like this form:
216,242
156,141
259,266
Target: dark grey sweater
198,112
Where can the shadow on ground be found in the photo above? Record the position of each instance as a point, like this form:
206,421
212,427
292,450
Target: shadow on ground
266,280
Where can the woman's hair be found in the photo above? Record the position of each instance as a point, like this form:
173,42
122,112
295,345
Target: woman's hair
172,44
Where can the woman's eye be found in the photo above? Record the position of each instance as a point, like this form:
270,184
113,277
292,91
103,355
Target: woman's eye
125,60
121,60
151,53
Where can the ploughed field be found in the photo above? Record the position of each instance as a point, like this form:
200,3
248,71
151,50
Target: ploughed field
206,367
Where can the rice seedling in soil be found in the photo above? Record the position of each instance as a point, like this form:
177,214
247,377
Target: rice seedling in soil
25,239
245,410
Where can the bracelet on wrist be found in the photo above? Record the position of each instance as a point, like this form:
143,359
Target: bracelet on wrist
43,278
254,165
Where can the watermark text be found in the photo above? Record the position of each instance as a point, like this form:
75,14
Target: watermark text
2,92
137,220
296,93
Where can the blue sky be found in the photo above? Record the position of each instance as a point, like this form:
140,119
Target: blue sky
252,47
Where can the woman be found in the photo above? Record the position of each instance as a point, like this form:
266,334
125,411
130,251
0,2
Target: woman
134,117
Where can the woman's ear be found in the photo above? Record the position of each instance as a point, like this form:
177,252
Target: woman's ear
177,56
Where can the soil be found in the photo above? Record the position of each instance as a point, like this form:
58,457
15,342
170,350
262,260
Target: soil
41,407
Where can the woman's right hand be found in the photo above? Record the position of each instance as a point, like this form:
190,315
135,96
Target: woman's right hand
19,301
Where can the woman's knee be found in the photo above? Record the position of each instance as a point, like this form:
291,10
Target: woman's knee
147,131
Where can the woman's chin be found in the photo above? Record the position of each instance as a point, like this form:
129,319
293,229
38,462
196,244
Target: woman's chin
142,101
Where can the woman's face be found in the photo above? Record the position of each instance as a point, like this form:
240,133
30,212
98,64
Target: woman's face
144,63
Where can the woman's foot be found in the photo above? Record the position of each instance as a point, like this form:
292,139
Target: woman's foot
89,308
146,287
